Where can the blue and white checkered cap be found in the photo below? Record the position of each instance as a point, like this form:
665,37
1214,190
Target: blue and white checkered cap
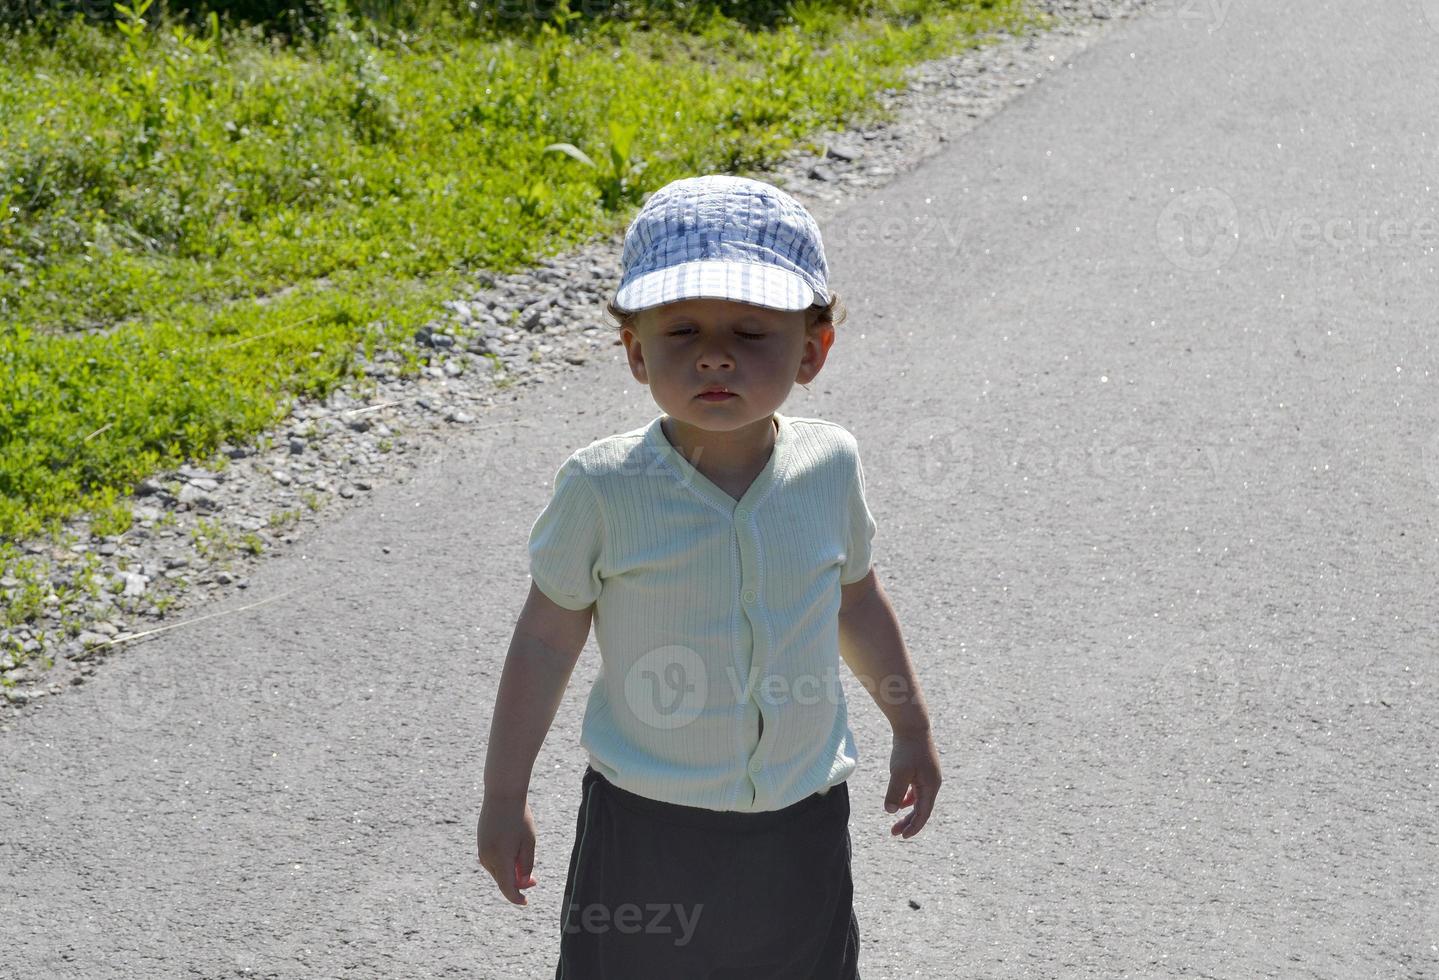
723,237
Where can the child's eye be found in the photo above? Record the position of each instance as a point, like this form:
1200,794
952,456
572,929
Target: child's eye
748,336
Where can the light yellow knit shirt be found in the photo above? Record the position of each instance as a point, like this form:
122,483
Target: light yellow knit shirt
711,612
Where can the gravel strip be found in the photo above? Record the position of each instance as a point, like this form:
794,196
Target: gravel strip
199,528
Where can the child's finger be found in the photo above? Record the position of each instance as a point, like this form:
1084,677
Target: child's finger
890,806
513,892
525,864
523,878
507,888
895,796
920,814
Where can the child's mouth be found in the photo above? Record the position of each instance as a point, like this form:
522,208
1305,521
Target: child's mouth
716,396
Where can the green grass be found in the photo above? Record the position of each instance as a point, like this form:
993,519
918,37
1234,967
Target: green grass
196,228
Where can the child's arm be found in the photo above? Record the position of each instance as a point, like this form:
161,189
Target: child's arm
546,644
870,643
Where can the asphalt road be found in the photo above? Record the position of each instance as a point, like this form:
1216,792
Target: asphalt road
1144,378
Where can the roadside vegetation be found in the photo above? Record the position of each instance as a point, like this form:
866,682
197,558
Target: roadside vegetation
202,220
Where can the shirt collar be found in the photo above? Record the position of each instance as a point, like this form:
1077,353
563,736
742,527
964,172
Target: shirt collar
682,470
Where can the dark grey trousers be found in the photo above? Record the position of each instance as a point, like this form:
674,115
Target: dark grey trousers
657,891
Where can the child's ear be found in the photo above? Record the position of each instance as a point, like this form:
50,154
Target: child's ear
818,341
824,335
635,355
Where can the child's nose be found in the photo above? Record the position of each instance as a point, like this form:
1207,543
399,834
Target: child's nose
715,355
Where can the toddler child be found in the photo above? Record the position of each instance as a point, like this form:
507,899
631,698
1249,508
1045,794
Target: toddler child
722,552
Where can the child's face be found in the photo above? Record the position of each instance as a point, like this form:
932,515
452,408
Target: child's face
756,353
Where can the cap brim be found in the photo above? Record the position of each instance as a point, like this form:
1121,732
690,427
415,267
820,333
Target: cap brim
743,282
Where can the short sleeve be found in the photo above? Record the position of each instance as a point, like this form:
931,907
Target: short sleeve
860,534
566,539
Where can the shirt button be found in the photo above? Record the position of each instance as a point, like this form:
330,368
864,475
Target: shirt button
748,595
741,514
756,766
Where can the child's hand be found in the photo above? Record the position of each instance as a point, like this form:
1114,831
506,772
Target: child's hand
506,841
913,779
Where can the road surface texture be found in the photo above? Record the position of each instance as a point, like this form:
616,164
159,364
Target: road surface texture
1143,375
